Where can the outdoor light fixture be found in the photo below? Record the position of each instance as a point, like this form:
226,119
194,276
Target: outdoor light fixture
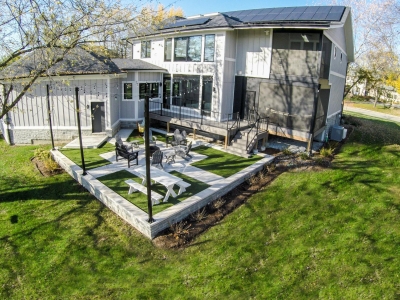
305,38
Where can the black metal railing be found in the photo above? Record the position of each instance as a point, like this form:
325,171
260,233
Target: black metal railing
200,116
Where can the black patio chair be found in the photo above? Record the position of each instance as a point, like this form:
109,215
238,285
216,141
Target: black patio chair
184,152
156,159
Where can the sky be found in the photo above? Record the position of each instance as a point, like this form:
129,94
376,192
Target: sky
196,7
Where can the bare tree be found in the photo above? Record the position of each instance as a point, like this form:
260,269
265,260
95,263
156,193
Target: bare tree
51,29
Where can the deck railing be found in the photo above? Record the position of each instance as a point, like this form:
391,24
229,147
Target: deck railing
200,116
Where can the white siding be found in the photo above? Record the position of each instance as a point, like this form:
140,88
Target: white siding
254,48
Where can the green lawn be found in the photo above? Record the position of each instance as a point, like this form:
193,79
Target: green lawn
331,234
222,163
116,182
92,156
379,108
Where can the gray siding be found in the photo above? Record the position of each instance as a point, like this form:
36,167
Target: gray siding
253,53
228,88
149,76
115,100
336,35
336,94
230,44
338,63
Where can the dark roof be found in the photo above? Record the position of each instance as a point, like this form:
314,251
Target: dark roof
290,16
76,62
135,64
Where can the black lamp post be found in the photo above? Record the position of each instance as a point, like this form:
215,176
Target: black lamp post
78,118
147,155
49,112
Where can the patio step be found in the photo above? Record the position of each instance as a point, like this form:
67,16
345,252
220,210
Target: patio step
239,143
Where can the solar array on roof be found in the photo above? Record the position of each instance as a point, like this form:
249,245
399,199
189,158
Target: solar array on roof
187,22
305,13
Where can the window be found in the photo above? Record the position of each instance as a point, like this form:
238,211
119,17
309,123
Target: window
188,48
168,50
207,95
334,52
146,49
128,91
150,89
341,57
186,91
209,47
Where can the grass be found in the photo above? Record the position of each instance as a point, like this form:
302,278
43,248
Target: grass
92,156
331,234
116,182
222,163
379,108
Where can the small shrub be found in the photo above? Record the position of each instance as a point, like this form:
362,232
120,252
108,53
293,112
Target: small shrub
262,174
271,168
326,152
179,229
286,151
304,156
45,157
253,180
199,215
217,204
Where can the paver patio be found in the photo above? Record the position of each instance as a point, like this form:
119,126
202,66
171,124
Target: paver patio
137,217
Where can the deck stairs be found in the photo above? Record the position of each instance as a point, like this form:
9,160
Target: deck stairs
239,144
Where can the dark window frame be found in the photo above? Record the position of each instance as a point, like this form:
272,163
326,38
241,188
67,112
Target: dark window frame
186,55
145,49
154,88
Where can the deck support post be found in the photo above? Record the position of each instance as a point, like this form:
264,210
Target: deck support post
226,142
194,133
167,127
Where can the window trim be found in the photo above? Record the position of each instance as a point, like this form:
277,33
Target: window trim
147,53
187,48
150,82
204,51
123,91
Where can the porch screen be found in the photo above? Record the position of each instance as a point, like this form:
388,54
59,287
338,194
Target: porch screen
150,89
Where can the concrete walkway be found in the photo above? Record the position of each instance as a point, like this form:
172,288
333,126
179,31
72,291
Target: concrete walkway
372,113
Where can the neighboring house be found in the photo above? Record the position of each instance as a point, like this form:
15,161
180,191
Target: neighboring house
109,95
276,69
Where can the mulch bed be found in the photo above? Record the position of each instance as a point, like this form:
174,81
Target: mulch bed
40,166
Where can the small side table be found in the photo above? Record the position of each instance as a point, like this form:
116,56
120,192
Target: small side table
169,157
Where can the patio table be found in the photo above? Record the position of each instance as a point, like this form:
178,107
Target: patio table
163,178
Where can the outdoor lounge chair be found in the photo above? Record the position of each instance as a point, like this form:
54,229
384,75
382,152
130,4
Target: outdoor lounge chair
121,150
156,159
128,145
184,151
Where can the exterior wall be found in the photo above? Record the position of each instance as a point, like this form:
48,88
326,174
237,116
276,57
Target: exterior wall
336,35
114,105
214,69
254,52
29,119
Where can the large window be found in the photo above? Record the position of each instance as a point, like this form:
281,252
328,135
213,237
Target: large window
168,50
128,90
188,48
209,47
186,91
145,49
150,89
207,94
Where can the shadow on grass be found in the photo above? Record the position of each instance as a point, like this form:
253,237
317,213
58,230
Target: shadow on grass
116,182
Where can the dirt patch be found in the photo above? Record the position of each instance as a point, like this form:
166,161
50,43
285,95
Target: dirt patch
183,233
43,170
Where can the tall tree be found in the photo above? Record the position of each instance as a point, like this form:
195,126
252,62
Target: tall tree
51,29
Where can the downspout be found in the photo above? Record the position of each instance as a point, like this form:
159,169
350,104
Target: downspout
314,114
344,91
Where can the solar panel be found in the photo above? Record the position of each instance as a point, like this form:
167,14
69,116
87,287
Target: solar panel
305,13
187,22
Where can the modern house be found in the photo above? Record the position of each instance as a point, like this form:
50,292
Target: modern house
237,75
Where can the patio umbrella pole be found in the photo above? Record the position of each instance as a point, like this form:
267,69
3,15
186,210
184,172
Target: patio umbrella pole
147,152
78,118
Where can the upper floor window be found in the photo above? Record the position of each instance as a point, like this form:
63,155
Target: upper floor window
188,48
209,47
128,91
168,50
150,89
334,52
146,49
